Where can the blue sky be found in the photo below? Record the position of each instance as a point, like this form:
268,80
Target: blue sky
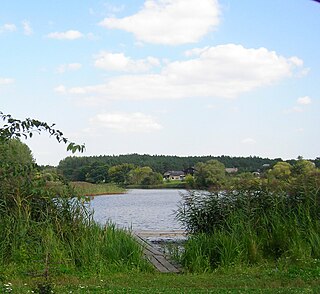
174,77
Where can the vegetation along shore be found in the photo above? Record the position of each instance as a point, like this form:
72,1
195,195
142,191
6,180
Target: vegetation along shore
249,232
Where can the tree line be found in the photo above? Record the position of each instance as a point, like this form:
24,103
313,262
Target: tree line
97,169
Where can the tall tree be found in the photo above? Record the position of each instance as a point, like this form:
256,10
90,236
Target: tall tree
119,173
210,174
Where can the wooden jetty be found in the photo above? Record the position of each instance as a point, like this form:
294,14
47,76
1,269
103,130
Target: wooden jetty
156,258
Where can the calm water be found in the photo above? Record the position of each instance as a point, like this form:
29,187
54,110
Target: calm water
139,209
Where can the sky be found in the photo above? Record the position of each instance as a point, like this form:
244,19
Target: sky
170,77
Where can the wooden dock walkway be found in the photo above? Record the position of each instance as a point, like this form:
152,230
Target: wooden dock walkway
156,258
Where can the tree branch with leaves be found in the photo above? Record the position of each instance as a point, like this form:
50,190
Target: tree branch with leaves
16,128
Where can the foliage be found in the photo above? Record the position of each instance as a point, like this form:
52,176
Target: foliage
16,128
13,152
261,220
210,174
96,173
39,220
75,168
190,181
144,176
119,174
281,171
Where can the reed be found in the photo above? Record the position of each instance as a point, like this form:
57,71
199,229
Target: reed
248,227
42,227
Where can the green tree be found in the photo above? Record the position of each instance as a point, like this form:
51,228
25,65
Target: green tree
190,181
280,171
14,152
119,173
97,173
303,167
210,174
144,176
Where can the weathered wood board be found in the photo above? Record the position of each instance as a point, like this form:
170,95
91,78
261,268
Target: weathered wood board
156,257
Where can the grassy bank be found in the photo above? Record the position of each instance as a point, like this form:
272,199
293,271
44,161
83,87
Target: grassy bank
164,185
88,189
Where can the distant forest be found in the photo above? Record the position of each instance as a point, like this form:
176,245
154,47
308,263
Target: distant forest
78,168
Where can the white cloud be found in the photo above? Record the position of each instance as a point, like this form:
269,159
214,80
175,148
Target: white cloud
68,67
301,103
8,27
114,8
221,71
304,100
27,29
67,35
120,62
248,141
170,22
6,81
60,89
126,122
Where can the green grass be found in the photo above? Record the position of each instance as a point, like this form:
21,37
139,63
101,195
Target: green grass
261,279
165,185
49,229
251,227
89,189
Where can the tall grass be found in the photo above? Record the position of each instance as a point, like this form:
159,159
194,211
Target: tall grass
89,189
39,223
252,226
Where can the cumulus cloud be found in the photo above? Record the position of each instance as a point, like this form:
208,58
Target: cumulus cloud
300,106
126,122
8,27
6,81
27,29
221,71
304,100
68,67
120,62
67,35
169,22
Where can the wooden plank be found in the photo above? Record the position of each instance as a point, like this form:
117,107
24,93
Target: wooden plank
165,263
165,234
146,245
156,257
158,265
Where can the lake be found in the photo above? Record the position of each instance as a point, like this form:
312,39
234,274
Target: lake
140,209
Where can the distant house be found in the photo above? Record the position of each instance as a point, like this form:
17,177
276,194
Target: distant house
189,171
256,174
174,175
231,170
